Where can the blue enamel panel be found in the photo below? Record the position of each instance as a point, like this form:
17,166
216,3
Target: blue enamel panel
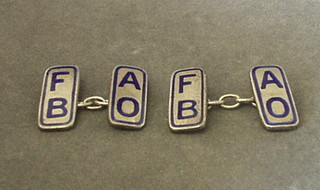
128,97
188,100
274,98
58,103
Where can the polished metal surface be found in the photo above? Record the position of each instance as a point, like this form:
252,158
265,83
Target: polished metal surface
188,102
128,97
274,98
93,103
58,103
237,101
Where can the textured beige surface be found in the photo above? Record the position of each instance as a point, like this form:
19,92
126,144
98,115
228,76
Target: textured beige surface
225,38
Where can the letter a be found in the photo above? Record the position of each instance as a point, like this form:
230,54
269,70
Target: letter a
266,81
126,80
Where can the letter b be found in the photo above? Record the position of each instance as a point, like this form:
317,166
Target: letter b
61,106
192,108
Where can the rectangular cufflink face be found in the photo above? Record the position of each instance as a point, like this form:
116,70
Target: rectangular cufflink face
58,103
188,100
128,97
274,98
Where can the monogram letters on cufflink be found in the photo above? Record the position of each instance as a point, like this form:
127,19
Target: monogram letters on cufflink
128,97
188,103
274,98
59,98
58,104
188,100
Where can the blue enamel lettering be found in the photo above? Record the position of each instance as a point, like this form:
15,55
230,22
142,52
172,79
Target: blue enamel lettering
188,100
135,106
274,98
127,103
133,80
57,103
283,102
191,104
266,81
183,83
54,80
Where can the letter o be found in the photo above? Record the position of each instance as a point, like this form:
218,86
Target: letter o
135,104
285,106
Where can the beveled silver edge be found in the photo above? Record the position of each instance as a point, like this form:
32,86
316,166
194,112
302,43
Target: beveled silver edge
71,123
187,129
124,125
274,127
205,105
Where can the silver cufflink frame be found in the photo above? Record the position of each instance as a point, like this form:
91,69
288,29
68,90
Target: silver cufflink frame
188,99
188,102
59,98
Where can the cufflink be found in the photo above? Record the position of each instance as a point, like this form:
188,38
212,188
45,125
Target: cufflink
128,97
274,98
188,103
59,98
58,102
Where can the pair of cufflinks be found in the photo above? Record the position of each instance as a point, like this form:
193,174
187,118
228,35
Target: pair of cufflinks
188,102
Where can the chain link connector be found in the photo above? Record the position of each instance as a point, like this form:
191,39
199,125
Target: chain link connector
230,96
214,103
247,101
237,101
93,103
